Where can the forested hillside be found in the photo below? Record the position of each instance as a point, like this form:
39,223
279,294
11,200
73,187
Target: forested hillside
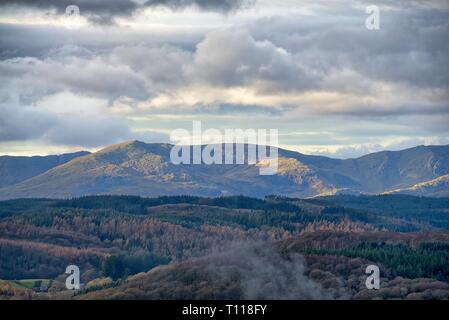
115,237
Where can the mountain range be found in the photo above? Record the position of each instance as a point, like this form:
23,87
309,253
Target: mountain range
138,168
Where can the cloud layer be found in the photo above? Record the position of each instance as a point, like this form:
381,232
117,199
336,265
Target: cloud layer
312,70
105,11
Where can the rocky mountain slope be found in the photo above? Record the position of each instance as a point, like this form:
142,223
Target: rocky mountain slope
137,168
438,187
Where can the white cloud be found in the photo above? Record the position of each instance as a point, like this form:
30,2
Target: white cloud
314,67
233,58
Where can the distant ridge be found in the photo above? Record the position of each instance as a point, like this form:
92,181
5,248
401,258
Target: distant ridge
16,169
438,187
138,168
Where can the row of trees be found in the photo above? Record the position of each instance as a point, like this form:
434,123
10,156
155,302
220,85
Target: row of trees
123,265
138,205
427,260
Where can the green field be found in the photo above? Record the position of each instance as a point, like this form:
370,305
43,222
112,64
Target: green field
27,283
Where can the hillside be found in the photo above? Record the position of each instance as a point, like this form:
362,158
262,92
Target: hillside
49,234
17,169
137,168
438,187
188,247
145,169
291,269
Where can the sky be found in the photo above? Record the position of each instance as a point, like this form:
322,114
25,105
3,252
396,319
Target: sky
139,69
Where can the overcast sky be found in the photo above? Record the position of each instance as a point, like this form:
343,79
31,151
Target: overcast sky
137,69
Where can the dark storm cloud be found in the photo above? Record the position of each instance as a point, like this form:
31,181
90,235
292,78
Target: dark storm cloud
104,11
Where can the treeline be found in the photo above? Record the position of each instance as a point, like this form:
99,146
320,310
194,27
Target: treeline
123,265
41,235
426,260
56,237
409,213
22,259
138,205
385,203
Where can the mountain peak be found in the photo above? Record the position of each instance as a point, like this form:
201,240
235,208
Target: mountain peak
122,146
138,168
